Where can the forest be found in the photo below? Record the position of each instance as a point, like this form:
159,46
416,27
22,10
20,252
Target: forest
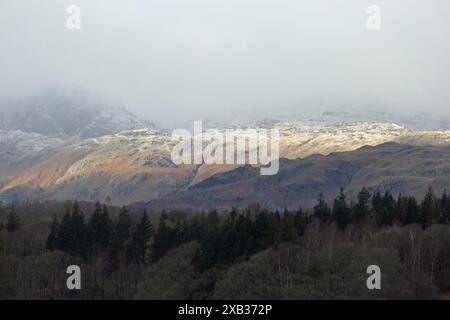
250,253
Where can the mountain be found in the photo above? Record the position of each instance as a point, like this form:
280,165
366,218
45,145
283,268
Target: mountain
331,113
21,150
398,167
69,114
125,167
36,127
135,165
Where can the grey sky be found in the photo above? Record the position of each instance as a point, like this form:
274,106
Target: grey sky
180,59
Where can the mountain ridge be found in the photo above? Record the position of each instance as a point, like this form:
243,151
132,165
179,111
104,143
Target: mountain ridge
135,165
400,168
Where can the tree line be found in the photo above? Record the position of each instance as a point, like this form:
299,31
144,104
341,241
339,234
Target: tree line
243,233
120,239
118,253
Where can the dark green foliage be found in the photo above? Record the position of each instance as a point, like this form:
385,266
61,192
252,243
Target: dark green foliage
64,233
341,211
163,240
301,220
100,227
79,244
321,210
429,209
139,244
288,227
13,221
122,228
386,213
444,209
362,208
73,234
52,239
255,252
118,238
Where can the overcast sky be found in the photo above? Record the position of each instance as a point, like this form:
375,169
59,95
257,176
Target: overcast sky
179,59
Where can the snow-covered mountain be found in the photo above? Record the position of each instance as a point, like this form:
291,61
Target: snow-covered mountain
69,114
135,165
70,144
36,127
21,150
324,114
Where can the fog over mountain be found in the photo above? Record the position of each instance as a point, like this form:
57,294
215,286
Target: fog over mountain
170,61
73,113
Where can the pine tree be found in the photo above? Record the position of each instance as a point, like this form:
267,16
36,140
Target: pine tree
139,244
263,233
213,220
377,202
444,208
52,239
321,209
64,233
362,207
429,209
106,230
100,226
144,232
341,210
289,230
413,211
122,227
401,208
230,237
13,221
162,241
388,212
242,233
119,235
301,221
79,234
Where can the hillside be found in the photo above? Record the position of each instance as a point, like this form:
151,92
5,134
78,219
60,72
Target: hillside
400,168
35,127
135,165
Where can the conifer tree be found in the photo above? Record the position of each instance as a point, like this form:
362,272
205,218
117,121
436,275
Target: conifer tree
341,210
106,229
321,209
79,233
429,209
144,233
301,221
413,211
52,239
388,213
64,232
263,231
289,230
118,237
123,226
139,244
13,221
401,208
444,208
242,233
100,227
362,207
162,241
377,202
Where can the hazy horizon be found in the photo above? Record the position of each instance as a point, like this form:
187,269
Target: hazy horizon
176,60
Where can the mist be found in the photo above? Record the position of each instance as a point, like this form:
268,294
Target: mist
175,60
